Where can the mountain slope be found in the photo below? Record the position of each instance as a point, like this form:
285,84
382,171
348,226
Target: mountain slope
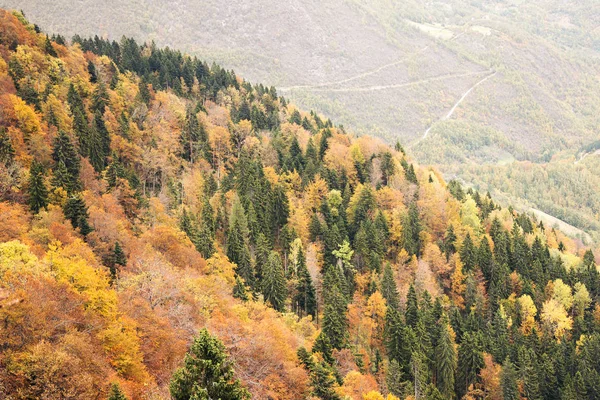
145,196
394,70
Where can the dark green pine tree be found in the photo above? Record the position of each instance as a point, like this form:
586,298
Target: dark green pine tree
314,228
48,48
238,251
305,301
206,373
119,259
394,379
92,72
7,151
411,233
239,290
389,290
508,381
295,160
485,259
467,254
388,168
335,322
273,285
412,308
261,254
75,210
323,382
36,188
206,234
528,373
498,337
194,139
61,178
449,242
64,151
470,362
116,393
445,362
99,146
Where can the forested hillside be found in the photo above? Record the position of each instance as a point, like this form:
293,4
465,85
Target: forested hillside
169,230
504,87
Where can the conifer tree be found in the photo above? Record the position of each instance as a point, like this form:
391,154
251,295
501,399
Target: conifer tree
239,290
7,151
389,290
508,381
64,151
92,72
206,373
449,242
470,362
412,230
116,393
118,260
238,241
335,323
445,362
467,254
206,234
273,285
412,308
36,188
305,300
75,210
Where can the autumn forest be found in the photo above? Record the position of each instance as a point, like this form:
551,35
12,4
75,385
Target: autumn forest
169,230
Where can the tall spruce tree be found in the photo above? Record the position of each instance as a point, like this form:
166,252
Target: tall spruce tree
335,322
273,285
37,193
470,362
445,361
206,373
76,211
305,301
116,393
238,251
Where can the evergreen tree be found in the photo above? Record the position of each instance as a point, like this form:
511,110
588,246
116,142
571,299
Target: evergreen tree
389,290
36,188
75,210
305,300
445,362
449,242
528,373
206,373
388,168
411,233
194,139
412,308
508,381
239,290
7,151
273,285
92,72
116,393
64,151
467,254
323,382
470,362
118,260
206,234
237,242
335,323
